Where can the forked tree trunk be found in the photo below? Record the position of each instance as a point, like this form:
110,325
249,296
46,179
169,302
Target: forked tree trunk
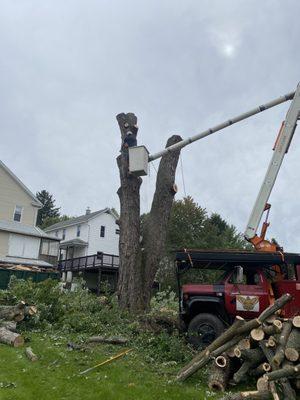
139,261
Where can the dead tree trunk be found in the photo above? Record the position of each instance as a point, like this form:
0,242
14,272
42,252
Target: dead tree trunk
139,261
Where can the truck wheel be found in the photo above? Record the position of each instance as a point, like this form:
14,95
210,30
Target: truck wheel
204,329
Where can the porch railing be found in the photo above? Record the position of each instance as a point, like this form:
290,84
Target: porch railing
106,261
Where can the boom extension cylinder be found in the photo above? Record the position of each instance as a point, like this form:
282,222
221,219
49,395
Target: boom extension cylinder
281,147
223,125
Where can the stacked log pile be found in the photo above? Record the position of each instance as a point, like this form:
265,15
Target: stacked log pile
266,348
9,316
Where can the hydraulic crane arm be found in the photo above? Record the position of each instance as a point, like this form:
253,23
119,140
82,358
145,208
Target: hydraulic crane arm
280,149
139,158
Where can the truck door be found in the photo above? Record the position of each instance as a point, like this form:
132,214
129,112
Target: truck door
249,298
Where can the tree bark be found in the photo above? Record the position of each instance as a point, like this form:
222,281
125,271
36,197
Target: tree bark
139,261
108,340
219,376
230,337
30,354
13,313
155,233
11,338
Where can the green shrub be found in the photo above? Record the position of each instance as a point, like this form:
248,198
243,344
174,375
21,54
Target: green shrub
82,313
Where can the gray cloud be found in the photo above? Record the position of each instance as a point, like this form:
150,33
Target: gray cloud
67,68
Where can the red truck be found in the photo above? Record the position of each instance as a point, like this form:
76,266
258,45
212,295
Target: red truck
247,283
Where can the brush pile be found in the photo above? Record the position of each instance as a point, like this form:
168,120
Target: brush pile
9,316
266,348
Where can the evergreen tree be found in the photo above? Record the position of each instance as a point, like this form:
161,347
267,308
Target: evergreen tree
48,210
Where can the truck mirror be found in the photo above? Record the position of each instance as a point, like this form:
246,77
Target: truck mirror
239,275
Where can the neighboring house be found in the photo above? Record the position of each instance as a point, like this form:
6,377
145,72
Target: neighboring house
82,238
21,241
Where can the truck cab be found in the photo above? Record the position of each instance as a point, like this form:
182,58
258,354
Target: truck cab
225,284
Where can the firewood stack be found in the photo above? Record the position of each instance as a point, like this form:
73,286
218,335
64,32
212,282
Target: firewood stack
9,316
266,348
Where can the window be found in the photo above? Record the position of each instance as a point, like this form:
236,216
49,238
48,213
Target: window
117,231
78,230
18,213
49,248
64,234
102,231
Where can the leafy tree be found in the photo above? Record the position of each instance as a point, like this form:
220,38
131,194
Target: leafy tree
48,209
190,227
48,221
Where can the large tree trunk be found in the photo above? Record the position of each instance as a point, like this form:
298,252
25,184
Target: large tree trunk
138,264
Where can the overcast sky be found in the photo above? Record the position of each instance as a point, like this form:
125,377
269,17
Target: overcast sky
68,67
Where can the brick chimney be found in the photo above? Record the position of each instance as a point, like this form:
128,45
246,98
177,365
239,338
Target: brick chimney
87,211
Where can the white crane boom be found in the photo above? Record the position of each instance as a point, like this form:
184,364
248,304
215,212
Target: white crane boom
281,147
139,156
223,125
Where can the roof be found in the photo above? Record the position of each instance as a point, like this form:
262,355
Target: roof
212,259
74,243
25,261
36,202
81,219
29,230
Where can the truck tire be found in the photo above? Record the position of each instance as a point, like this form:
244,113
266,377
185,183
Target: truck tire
204,329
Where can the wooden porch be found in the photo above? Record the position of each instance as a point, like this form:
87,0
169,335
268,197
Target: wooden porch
99,266
101,261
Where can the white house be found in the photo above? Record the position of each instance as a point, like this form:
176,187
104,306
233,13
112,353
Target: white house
21,241
86,235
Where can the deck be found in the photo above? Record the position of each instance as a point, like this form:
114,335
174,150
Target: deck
104,262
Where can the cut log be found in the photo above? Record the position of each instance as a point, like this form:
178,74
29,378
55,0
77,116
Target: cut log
291,354
230,352
108,340
203,357
221,361
252,395
260,370
12,313
235,332
252,357
269,353
276,306
271,342
219,377
286,372
9,325
30,310
296,321
11,338
283,338
257,334
277,324
252,354
293,345
270,329
262,384
274,392
244,344
30,354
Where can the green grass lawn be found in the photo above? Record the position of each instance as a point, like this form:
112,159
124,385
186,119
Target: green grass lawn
56,374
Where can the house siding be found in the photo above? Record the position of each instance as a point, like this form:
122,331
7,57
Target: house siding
110,243
23,246
4,237
11,194
90,233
